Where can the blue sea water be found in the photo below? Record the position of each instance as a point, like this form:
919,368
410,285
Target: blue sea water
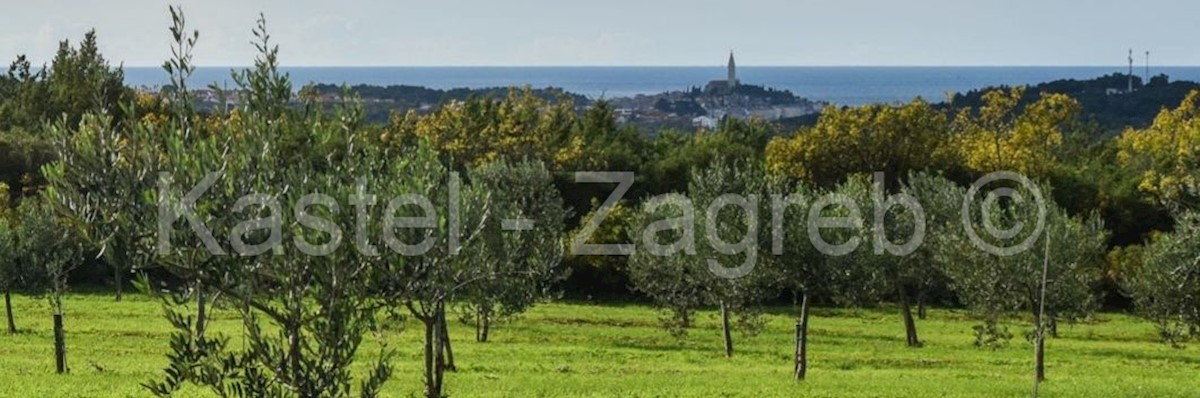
838,85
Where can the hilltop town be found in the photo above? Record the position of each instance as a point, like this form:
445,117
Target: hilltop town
705,107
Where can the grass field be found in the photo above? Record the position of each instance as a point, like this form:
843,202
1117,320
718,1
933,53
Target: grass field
595,350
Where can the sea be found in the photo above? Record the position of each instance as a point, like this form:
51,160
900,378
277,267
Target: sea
853,85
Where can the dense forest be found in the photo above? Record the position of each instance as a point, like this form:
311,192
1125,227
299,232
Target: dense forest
81,157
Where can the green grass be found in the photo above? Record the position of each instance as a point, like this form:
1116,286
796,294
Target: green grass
619,351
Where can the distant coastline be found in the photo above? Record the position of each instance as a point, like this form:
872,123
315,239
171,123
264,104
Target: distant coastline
853,85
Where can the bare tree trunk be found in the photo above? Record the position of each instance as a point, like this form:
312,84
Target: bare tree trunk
439,361
483,325
201,311
445,334
60,343
433,386
725,330
12,326
1052,326
921,306
295,353
479,325
295,316
801,367
910,325
117,281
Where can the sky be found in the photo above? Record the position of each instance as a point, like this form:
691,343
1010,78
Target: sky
624,32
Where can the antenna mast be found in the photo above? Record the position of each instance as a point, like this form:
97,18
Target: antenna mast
1147,68
1130,90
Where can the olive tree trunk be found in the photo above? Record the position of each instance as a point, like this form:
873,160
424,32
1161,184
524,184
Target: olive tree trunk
725,330
434,366
910,325
483,325
12,326
445,334
921,311
117,281
201,311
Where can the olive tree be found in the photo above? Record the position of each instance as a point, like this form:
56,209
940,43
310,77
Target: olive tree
14,274
735,203
304,309
1166,288
100,178
8,275
43,241
801,266
277,183
882,254
915,272
824,241
305,312
1016,262
662,269
520,246
705,250
421,269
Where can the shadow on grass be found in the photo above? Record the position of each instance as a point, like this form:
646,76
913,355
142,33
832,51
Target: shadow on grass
1148,337
656,345
1131,355
22,332
844,337
612,322
914,364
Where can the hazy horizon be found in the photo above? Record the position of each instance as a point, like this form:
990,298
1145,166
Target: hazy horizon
545,33
1136,67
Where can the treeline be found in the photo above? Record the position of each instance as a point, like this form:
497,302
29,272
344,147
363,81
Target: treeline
1118,218
79,81
403,98
1046,139
1104,100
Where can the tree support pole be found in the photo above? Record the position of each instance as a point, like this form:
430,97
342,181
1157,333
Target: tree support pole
801,366
60,344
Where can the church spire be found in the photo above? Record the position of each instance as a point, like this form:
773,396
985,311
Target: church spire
732,79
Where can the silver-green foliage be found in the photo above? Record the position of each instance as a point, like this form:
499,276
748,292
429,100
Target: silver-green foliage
680,262
520,246
992,284
1166,289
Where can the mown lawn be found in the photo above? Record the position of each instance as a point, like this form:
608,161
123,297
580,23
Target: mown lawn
598,350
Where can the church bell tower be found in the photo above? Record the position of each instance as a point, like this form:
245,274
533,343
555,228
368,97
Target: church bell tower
732,79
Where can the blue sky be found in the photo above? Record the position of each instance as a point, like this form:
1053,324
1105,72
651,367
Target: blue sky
626,32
